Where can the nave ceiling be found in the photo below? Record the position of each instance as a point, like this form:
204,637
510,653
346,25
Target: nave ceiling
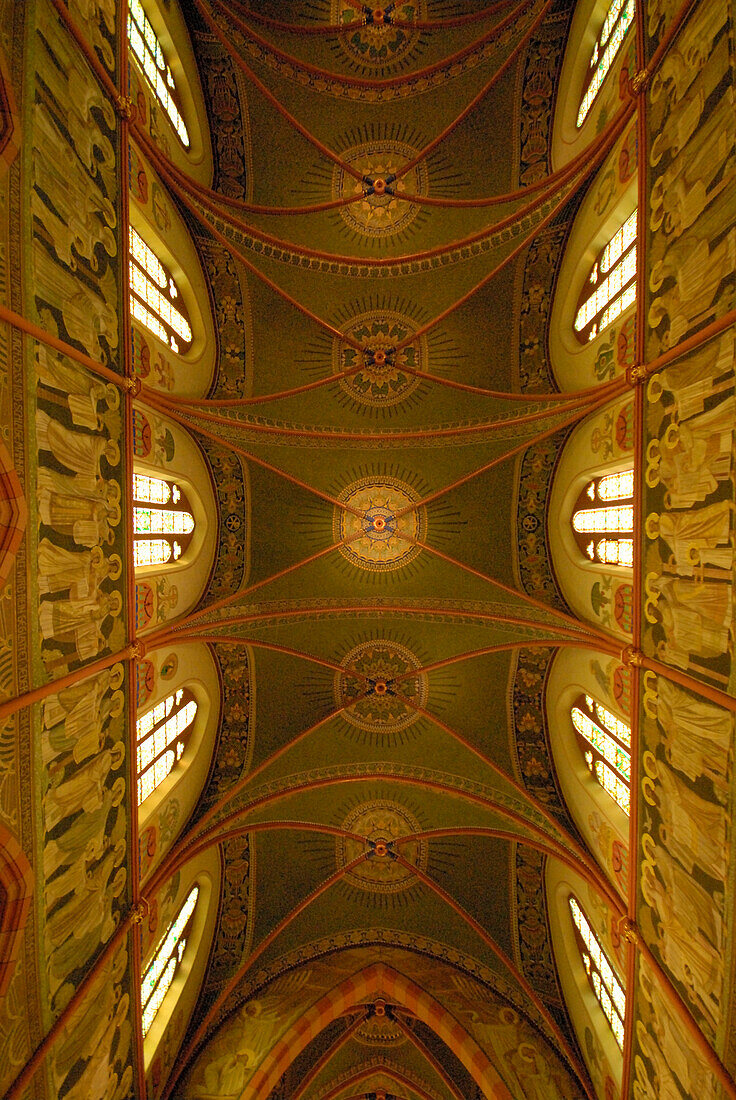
372,426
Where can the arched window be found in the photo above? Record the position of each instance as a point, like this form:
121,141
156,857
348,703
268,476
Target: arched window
619,18
165,963
162,734
154,296
603,519
608,991
611,285
162,521
150,56
605,741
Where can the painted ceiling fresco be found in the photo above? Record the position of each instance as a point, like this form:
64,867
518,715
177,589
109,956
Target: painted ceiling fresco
299,641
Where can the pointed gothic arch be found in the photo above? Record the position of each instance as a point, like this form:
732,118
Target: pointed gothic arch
165,85
598,589
185,683
167,1027
601,1051
16,890
577,674
378,980
175,344
597,59
170,462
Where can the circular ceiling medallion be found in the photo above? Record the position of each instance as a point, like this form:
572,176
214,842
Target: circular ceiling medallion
383,690
379,523
383,212
381,822
382,379
375,43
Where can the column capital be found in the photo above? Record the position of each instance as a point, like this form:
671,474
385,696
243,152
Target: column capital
637,375
630,931
631,656
639,81
125,107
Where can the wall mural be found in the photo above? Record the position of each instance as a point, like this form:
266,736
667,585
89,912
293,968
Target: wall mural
664,1062
539,78
96,20
231,308
82,843
685,844
689,513
74,199
532,943
686,762
535,375
93,1056
78,495
691,250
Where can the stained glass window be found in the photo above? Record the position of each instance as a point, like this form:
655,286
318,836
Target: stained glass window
605,741
611,285
605,984
165,963
150,56
162,521
603,519
619,18
154,296
161,734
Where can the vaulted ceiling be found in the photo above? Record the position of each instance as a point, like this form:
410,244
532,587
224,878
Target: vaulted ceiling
382,615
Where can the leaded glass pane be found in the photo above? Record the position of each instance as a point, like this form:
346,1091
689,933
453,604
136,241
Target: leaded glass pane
162,521
151,552
618,486
151,490
615,518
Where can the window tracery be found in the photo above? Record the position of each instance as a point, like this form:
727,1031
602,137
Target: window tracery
161,735
149,53
605,740
611,285
155,301
167,960
608,990
619,18
605,511
163,523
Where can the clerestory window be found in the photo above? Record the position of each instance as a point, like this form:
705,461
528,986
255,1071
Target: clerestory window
619,18
611,285
155,301
167,960
605,741
163,523
150,56
161,735
606,986
603,519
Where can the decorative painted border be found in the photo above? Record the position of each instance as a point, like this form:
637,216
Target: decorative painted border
342,87
232,490
530,745
533,566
